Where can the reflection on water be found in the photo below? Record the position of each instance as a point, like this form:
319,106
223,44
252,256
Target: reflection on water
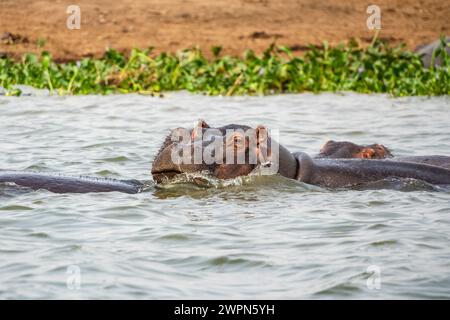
251,237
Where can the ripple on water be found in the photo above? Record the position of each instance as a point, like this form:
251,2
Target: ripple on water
114,159
235,263
384,243
15,208
175,237
377,226
39,235
341,290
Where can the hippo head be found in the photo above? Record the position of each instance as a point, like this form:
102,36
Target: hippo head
345,149
223,152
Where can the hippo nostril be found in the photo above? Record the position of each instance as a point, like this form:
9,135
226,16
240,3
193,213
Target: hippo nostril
266,164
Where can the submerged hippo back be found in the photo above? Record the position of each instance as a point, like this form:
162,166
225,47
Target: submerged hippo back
64,184
345,172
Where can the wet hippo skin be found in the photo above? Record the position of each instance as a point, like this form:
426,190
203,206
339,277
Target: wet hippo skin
325,172
435,160
65,184
346,172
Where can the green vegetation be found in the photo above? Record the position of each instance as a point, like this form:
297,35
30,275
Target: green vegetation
379,68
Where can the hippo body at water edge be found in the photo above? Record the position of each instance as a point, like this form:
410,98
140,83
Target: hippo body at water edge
335,173
323,171
434,160
65,184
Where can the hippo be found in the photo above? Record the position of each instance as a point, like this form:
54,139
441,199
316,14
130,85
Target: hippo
321,171
426,52
346,149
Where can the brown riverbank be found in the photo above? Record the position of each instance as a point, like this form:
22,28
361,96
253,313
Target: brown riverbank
237,25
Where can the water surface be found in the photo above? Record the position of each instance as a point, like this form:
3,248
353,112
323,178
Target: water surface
254,238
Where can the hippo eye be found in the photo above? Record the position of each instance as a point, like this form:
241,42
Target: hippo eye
236,140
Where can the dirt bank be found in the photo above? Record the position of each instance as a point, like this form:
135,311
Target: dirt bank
237,25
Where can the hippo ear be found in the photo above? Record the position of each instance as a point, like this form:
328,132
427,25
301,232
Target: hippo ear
263,150
382,151
388,152
201,124
326,145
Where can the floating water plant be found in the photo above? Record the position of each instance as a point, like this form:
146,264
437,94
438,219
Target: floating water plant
376,69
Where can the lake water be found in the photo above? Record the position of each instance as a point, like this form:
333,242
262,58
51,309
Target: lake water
254,238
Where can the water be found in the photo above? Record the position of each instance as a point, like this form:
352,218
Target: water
255,238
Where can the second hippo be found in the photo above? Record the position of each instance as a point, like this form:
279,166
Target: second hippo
348,150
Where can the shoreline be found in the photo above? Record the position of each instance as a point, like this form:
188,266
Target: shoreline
237,25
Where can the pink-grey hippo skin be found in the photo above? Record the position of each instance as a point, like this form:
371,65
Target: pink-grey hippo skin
65,184
426,52
435,160
324,172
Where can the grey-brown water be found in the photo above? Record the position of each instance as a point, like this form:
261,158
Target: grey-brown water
263,237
